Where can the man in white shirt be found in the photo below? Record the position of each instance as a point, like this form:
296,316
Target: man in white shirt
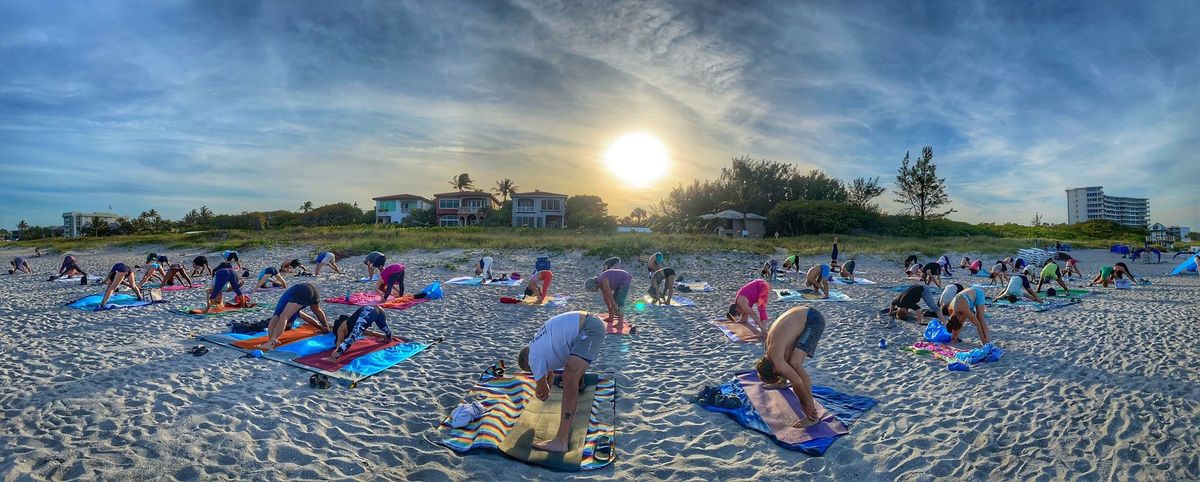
570,341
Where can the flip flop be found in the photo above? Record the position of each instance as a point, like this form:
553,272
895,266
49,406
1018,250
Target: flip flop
728,401
198,350
604,447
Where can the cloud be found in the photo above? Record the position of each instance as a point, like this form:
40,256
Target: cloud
249,105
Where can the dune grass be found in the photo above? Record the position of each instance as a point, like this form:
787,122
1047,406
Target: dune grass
363,239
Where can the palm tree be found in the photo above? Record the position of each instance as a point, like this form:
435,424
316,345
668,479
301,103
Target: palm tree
306,207
22,226
205,215
462,182
505,188
639,214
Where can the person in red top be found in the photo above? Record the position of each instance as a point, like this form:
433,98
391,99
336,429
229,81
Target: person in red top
752,294
541,292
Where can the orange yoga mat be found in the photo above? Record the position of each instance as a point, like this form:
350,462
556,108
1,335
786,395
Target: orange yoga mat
295,334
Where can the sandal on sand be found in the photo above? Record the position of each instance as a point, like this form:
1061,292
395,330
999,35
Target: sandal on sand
319,381
496,370
198,350
604,447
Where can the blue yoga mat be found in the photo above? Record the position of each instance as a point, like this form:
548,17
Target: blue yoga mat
118,300
847,408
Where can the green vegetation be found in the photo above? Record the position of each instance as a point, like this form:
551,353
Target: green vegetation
363,239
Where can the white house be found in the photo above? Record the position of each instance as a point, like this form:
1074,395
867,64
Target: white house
539,209
393,209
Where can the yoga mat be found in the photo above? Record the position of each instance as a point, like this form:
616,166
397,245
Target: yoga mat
217,311
781,410
361,347
838,280
895,288
288,336
539,421
505,400
1034,306
116,301
181,287
64,279
372,299
809,295
616,328
737,332
368,280
477,281
676,302
549,301
846,409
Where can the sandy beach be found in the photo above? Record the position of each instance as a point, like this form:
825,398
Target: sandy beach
1108,389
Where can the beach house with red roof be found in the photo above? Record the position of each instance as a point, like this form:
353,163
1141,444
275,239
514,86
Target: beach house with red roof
539,209
467,208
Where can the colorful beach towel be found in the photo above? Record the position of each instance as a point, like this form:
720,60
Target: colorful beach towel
514,417
532,301
808,294
957,359
307,348
116,301
676,302
737,332
373,299
477,281
838,280
774,412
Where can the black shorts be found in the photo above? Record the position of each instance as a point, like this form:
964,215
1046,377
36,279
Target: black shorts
200,261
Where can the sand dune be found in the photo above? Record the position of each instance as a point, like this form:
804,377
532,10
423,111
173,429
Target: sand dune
1103,390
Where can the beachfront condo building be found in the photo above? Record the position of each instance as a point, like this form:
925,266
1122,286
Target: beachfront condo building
539,209
466,208
395,208
75,223
1088,203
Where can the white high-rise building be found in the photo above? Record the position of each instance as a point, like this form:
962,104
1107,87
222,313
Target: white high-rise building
1088,203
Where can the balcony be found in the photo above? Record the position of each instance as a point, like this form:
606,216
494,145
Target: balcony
526,209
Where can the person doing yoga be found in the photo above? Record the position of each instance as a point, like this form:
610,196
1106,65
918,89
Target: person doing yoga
571,342
792,339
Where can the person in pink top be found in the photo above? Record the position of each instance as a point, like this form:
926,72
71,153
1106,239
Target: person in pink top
392,277
753,294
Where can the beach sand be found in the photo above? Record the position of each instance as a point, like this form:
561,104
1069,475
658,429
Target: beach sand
1108,389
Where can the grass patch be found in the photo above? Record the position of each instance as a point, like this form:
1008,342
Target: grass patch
364,239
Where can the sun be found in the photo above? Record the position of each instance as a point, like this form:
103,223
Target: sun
637,159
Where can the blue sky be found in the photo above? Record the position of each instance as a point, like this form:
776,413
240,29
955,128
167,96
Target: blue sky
241,105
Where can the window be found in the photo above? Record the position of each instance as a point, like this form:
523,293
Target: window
551,205
448,204
524,203
405,206
472,203
450,221
387,205
527,221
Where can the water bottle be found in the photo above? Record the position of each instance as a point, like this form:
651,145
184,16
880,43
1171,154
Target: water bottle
347,295
882,344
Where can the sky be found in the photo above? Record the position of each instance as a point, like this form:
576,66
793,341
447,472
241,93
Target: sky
243,105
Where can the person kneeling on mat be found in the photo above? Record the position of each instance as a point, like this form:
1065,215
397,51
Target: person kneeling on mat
269,276
570,341
348,329
910,301
296,298
792,339
1018,287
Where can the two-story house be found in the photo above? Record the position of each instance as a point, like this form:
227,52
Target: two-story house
394,208
466,208
539,209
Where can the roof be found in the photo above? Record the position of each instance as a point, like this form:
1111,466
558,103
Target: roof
400,196
535,192
731,214
466,194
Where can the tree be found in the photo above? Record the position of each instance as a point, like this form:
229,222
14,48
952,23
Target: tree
919,188
638,214
306,207
22,227
505,188
421,217
1037,219
462,182
588,211
862,190
206,216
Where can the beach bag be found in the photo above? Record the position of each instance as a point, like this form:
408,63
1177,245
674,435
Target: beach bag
245,327
433,291
936,332
154,295
542,264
